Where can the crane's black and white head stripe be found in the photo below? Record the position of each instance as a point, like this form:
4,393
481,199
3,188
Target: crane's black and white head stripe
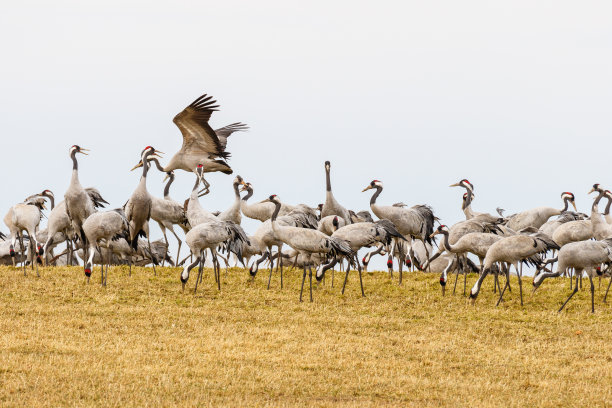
374,184
596,188
327,165
440,230
74,149
567,196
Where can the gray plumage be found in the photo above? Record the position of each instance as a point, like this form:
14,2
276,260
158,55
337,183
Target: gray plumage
262,210
582,256
168,213
78,204
100,228
331,223
536,217
573,231
332,206
202,144
208,236
233,213
514,250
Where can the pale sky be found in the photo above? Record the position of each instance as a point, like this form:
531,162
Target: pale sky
515,96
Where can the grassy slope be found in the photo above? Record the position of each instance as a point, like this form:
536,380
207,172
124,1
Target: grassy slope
141,342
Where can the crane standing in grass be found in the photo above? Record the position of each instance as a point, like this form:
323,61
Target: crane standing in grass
416,222
308,242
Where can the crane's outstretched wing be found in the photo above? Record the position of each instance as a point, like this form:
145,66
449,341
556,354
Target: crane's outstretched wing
225,132
198,136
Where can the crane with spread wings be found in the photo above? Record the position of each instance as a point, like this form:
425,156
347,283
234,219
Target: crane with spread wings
201,144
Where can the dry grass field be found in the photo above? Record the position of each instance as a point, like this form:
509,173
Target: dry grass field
142,342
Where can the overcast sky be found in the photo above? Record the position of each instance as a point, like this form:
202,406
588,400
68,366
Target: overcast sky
515,96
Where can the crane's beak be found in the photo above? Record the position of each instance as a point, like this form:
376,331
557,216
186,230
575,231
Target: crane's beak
137,166
366,189
455,185
243,188
83,150
434,234
157,154
574,205
592,190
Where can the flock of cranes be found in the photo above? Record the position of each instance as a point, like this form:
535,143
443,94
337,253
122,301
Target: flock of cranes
319,237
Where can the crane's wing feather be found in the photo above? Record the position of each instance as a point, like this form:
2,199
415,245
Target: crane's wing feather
198,136
226,131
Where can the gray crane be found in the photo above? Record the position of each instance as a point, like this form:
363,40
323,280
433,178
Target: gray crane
168,213
332,206
264,238
208,236
77,201
138,207
202,144
477,243
606,212
573,231
329,224
194,211
536,217
262,210
307,242
26,216
360,235
513,250
601,228
101,228
416,222
233,213
59,222
361,216
583,255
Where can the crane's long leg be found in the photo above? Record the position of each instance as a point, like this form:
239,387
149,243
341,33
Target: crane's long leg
609,283
401,260
465,272
151,252
360,278
520,274
280,262
570,296
163,228
507,285
303,280
348,269
218,266
69,247
200,269
23,261
310,279
459,267
580,280
271,269
592,295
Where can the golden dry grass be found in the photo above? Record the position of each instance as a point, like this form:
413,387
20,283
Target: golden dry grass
141,342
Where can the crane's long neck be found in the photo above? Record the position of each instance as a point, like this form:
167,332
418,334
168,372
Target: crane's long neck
249,195
75,163
157,164
327,180
168,184
595,207
565,205
277,208
375,195
237,192
75,169
607,210
446,243
52,199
